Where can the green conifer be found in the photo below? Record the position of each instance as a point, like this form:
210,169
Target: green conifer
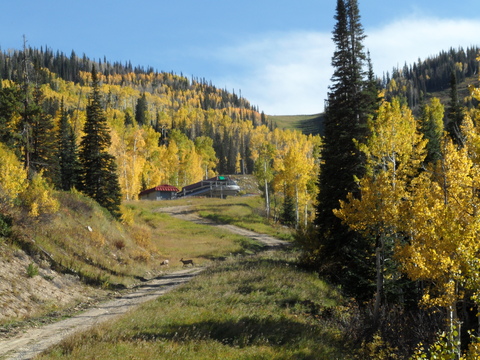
350,102
69,166
99,179
455,113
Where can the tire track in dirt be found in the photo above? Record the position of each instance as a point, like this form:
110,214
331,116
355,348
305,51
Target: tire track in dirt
34,341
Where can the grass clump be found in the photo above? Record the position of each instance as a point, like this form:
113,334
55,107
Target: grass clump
32,270
263,307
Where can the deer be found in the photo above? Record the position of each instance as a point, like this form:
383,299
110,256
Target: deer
164,262
187,262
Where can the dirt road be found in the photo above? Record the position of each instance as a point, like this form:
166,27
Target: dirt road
33,341
186,213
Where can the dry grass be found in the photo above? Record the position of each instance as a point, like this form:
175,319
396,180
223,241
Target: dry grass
263,307
85,242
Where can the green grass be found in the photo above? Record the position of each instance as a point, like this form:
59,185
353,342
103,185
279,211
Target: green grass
174,238
245,212
307,124
263,307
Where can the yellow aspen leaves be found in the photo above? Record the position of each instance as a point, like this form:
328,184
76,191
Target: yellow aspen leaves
13,176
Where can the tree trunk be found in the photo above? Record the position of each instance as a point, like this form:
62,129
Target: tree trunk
378,295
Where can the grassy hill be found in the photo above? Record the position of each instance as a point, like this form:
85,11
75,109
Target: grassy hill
255,306
307,124
60,261
313,124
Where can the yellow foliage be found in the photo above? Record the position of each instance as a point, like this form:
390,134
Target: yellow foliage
38,197
394,152
13,177
442,222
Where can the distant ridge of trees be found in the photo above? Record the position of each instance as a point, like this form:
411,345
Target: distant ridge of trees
70,68
414,82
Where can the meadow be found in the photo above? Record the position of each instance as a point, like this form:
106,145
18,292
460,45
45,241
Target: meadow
248,303
256,307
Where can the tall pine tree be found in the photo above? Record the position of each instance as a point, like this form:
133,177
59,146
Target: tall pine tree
455,113
99,179
342,254
42,141
10,108
69,167
141,110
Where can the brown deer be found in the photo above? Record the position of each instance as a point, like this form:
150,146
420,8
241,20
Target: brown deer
187,262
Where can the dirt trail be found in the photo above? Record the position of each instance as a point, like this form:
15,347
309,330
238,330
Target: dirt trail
186,213
33,341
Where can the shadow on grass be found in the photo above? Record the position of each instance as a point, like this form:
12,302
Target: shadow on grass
247,331
256,264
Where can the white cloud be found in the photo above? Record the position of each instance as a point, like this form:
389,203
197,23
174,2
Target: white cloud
407,40
289,73
282,73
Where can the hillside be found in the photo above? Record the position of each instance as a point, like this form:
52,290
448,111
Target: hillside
418,82
62,262
307,124
47,262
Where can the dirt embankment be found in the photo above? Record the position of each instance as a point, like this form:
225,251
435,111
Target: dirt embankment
35,340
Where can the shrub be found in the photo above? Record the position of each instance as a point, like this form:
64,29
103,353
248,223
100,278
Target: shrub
38,197
32,270
12,174
5,225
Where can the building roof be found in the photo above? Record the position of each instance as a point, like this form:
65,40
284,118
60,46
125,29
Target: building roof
163,188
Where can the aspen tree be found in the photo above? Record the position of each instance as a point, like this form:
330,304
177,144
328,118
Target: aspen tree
442,223
394,152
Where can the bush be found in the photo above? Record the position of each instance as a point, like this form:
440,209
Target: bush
32,270
5,225
38,197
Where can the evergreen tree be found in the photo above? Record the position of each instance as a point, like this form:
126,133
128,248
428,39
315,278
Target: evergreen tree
344,254
288,214
99,179
455,113
69,166
141,110
431,125
42,142
128,118
10,107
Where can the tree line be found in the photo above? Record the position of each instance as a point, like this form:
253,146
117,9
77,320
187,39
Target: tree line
76,69
397,217
131,131
413,83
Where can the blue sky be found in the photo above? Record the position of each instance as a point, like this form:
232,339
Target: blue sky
277,53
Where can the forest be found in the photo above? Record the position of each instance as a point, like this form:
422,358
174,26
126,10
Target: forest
385,203
397,217
160,128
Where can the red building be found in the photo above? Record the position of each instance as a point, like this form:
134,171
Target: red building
160,192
